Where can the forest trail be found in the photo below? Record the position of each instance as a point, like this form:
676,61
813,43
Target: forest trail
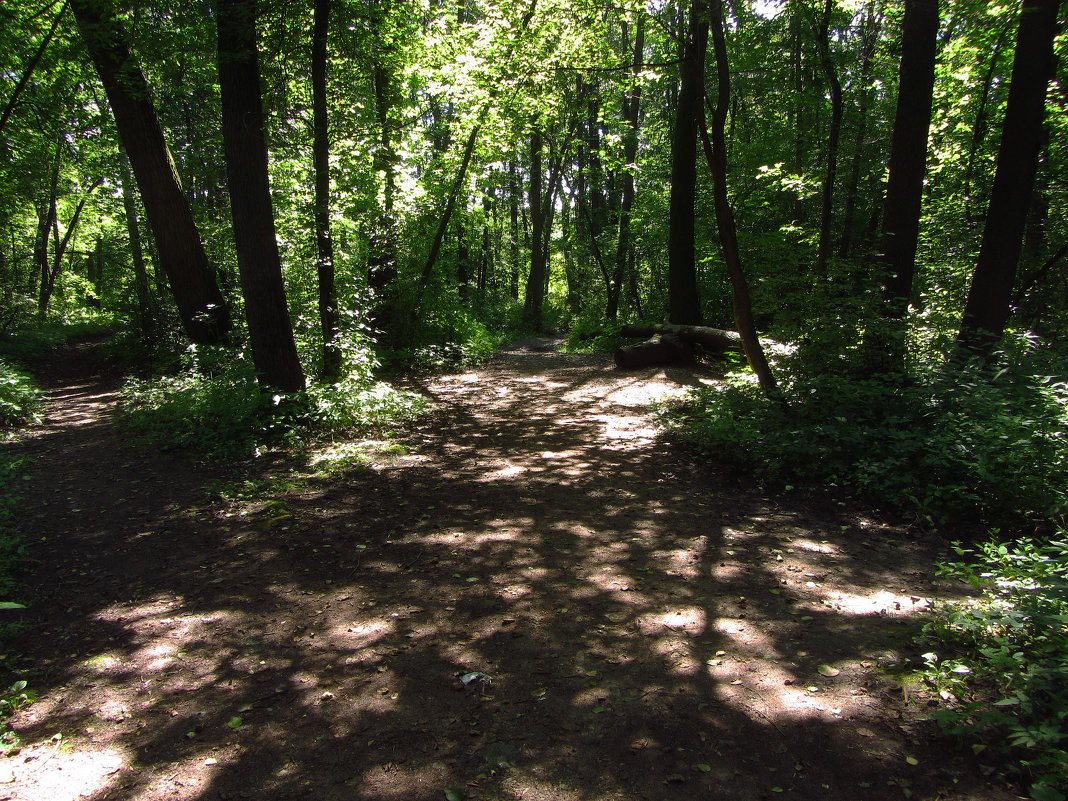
629,624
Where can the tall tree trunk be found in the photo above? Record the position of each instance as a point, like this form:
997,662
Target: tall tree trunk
988,305
46,218
908,152
328,309
274,351
631,111
382,260
834,87
716,153
535,296
513,230
137,250
684,304
201,307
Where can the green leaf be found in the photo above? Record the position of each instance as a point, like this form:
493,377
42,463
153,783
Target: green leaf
11,605
235,722
455,794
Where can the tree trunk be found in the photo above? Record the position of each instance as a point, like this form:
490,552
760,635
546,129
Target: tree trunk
908,152
834,87
328,307
535,296
274,351
714,339
988,305
201,307
684,305
716,152
631,109
137,251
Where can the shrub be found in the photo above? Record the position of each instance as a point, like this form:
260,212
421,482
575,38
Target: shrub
1004,656
20,399
941,442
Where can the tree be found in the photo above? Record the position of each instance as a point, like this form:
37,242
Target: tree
328,308
201,307
716,153
684,305
274,350
987,307
908,152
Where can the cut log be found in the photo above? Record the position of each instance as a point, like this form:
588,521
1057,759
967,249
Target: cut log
662,350
714,339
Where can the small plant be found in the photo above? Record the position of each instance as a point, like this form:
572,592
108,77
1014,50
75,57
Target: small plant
1002,658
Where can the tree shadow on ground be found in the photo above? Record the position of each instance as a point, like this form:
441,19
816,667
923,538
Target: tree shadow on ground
641,627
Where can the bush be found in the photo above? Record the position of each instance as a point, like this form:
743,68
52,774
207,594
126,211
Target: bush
215,408
1004,656
941,442
20,400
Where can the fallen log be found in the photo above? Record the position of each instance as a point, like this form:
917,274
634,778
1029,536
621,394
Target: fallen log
662,350
714,339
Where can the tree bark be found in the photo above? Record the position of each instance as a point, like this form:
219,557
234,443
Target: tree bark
988,307
274,351
684,305
328,306
201,307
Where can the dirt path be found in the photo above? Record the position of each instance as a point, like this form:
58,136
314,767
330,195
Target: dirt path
640,627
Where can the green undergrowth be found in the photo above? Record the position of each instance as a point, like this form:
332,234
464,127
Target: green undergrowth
1001,658
940,442
20,399
214,407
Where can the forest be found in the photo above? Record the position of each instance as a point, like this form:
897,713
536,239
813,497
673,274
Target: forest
282,222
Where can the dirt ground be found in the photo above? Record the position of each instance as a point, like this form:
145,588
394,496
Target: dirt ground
539,600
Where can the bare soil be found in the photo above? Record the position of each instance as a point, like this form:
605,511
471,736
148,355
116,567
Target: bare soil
639,625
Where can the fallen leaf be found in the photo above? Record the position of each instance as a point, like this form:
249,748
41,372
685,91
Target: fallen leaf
827,670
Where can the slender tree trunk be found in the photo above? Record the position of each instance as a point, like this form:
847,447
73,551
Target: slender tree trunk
444,219
988,305
137,250
684,305
61,245
513,231
27,73
201,307
834,85
535,295
979,128
274,351
908,152
631,111
716,153
328,307
869,41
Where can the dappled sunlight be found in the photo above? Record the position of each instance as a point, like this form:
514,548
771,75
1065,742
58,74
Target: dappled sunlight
543,603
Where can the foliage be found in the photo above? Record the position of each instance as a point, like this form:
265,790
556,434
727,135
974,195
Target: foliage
214,406
1002,657
19,397
12,472
943,442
